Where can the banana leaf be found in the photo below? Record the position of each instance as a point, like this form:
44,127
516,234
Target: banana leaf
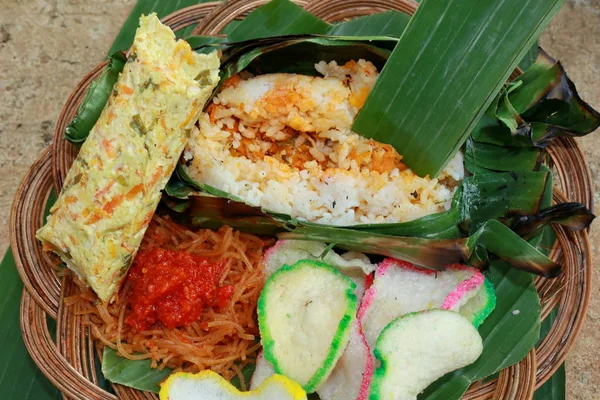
501,195
282,17
279,17
435,253
206,43
306,52
388,23
208,211
19,376
273,54
574,216
447,68
139,374
512,198
555,387
541,104
530,56
490,130
484,157
95,99
482,202
543,239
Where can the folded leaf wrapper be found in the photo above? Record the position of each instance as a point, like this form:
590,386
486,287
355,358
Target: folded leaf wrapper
198,204
427,101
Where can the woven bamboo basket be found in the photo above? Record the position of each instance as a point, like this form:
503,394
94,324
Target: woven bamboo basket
68,361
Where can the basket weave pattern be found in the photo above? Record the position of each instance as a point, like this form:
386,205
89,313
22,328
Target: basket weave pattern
69,361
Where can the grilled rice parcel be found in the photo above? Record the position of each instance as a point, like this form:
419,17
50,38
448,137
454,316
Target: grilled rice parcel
114,185
284,142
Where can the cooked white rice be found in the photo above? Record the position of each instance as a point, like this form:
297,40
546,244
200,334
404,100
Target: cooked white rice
283,142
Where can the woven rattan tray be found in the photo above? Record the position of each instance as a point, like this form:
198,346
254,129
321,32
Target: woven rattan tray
68,361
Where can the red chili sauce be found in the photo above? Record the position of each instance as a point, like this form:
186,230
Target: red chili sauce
173,288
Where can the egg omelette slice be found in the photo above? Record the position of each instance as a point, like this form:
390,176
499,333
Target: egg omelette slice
114,186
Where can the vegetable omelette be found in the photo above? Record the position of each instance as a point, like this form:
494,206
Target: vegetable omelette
114,186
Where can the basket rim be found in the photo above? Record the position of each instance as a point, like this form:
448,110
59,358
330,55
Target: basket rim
48,301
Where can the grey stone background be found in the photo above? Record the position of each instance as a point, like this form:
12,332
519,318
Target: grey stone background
46,47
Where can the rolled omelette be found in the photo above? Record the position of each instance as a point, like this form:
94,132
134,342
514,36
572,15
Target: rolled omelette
114,186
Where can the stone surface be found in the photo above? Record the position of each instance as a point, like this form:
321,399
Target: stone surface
46,47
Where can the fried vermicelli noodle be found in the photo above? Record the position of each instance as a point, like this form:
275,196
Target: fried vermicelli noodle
223,340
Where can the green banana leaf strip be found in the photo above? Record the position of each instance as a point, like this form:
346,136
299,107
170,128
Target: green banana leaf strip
506,111
378,46
547,240
206,44
177,188
442,225
278,17
94,100
435,250
490,130
139,374
529,88
542,104
484,157
307,53
499,195
234,50
574,216
530,56
206,211
283,17
536,239
512,198
389,23
445,72
562,113
562,106
20,378
507,336
183,176
449,387
554,388
436,254
504,243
